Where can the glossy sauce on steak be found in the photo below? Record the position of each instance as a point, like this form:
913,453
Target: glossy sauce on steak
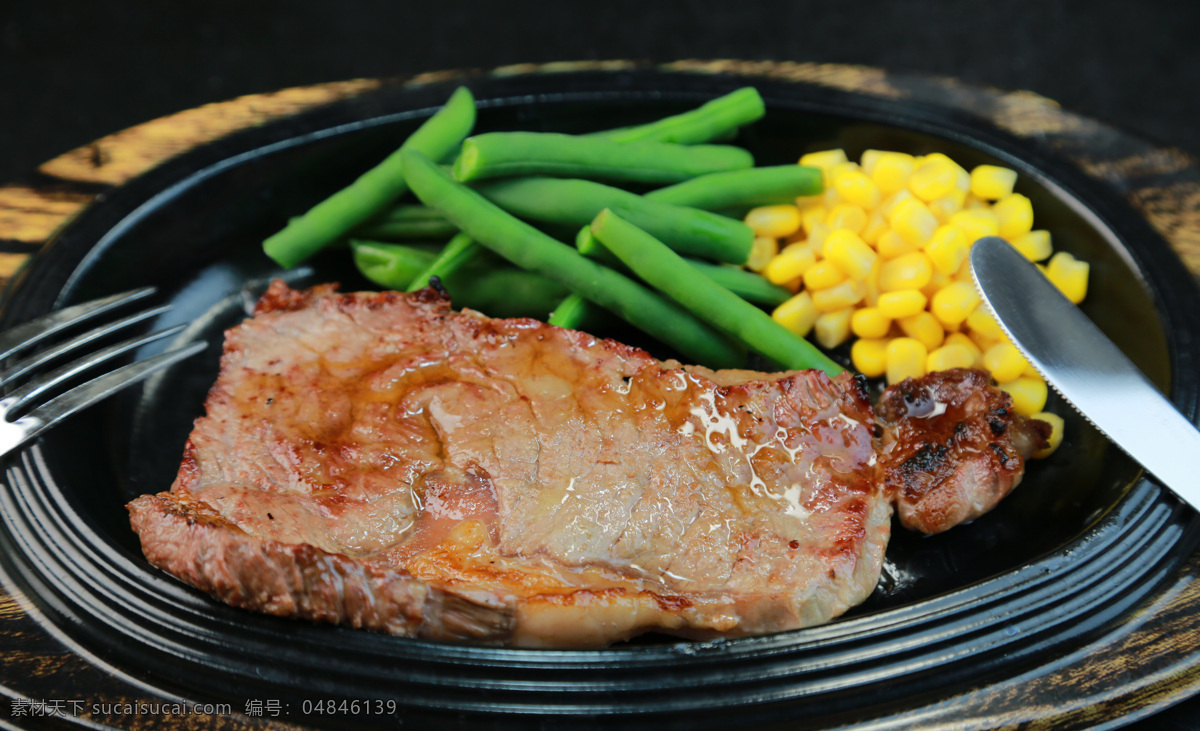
379,460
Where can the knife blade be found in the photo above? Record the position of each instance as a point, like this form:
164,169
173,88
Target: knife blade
1086,368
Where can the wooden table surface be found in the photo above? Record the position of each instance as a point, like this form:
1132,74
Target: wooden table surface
1154,661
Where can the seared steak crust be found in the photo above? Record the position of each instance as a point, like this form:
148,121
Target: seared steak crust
952,448
187,538
378,460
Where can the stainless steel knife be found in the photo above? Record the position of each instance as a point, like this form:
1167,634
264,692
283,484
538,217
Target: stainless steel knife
1083,365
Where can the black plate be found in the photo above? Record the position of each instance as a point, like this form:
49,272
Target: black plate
1083,540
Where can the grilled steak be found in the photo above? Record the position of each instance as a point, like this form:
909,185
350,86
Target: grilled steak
379,460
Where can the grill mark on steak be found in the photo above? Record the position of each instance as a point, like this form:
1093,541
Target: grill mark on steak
506,481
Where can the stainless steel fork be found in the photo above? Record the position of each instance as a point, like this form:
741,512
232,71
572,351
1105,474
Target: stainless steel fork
40,414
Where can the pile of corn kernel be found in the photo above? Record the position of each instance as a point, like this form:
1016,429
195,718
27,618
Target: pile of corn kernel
881,256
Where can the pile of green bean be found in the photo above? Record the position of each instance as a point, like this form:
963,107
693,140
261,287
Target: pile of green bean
667,260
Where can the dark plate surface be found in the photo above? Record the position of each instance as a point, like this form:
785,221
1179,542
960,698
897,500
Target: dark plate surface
1065,558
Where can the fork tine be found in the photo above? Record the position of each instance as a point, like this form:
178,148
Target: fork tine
59,408
20,368
38,329
27,392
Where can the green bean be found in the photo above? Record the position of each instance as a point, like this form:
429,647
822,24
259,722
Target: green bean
531,249
504,292
410,212
712,120
496,291
569,313
335,216
743,188
750,286
668,272
458,252
390,265
588,245
497,154
576,313
573,202
407,222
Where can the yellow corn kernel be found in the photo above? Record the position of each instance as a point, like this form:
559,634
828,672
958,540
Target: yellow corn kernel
824,159
774,221
762,252
907,271
890,202
871,286
949,356
905,358
901,303
877,225
933,178
948,249
1070,275
798,314
1034,246
911,219
832,195
848,252
869,159
925,328
992,182
971,203
953,303
816,239
839,296
960,339
848,216
981,321
964,274
792,262
823,275
936,282
811,215
832,328
843,167
984,342
975,223
856,187
962,179
1028,395
891,171
946,206
891,244
1014,216
869,356
1056,433
1004,361
869,322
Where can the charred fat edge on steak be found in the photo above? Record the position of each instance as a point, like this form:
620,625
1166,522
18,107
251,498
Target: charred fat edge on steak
378,460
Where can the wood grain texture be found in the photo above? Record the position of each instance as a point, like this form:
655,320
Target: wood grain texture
50,684
30,214
119,157
1155,658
